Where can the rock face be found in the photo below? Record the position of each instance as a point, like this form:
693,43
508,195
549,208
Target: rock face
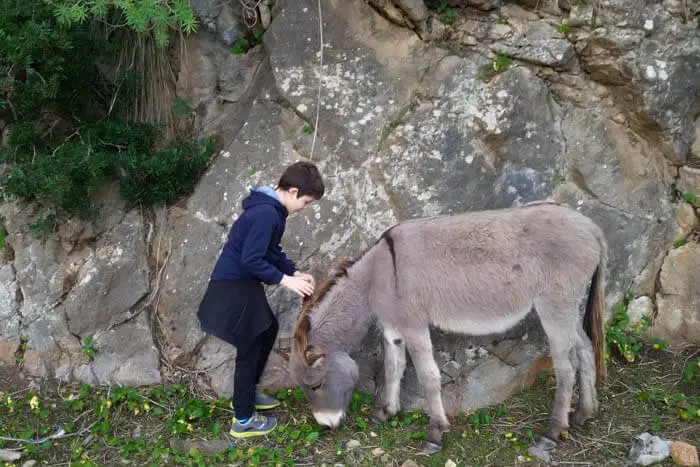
506,106
678,299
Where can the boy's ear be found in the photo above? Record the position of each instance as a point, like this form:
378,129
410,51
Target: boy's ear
294,192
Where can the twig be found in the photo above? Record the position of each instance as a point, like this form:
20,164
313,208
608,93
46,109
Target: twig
153,402
250,12
602,441
320,80
60,434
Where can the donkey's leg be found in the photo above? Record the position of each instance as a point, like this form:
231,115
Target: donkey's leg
394,366
588,398
559,320
421,349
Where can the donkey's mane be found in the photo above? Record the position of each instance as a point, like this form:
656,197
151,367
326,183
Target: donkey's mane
303,324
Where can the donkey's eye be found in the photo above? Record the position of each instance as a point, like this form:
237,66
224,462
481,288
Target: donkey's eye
317,387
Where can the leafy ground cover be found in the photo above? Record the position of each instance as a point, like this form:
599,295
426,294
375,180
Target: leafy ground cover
173,425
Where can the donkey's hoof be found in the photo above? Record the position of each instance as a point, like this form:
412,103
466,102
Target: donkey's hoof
374,420
380,416
579,418
431,448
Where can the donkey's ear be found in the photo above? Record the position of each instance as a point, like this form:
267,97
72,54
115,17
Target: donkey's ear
314,356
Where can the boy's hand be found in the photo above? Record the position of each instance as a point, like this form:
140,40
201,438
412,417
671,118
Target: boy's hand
299,285
306,277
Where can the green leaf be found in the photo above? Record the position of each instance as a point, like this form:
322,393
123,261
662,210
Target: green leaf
311,437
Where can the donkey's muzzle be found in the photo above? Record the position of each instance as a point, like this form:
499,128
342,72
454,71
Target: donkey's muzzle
329,418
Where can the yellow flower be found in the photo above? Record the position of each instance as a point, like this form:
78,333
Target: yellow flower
34,402
72,397
251,451
109,404
146,407
136,411
190,427
509,435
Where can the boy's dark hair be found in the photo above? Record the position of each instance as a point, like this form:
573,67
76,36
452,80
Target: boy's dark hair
305,177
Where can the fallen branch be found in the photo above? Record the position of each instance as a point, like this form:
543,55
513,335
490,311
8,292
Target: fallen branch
60,434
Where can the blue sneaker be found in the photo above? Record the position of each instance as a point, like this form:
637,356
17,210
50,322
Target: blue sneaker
263,402
257,425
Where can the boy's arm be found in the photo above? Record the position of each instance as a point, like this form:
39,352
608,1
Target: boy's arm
283,263
256,246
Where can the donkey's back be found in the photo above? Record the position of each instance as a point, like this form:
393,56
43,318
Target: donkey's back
482,272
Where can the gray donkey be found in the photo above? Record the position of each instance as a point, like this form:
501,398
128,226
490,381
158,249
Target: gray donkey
476,273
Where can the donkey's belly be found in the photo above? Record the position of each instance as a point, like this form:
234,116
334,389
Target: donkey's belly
477,322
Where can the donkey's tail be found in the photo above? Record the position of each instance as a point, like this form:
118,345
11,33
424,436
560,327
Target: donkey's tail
595,314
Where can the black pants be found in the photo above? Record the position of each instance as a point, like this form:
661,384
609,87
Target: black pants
249,369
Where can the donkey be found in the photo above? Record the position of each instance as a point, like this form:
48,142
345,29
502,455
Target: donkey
476,273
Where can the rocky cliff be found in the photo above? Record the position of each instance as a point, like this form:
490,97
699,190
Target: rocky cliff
467,105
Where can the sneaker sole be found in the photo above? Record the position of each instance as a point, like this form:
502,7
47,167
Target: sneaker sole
251,434
268,406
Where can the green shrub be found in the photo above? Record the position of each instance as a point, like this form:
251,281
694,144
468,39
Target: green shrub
65,177
142,16
624,339
166,175
69,130
43,64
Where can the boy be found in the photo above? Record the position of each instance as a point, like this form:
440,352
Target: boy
234,307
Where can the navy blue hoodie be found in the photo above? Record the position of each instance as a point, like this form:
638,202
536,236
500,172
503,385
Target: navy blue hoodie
253,250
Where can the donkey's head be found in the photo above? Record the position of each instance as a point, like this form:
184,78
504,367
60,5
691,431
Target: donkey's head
327,382
327,378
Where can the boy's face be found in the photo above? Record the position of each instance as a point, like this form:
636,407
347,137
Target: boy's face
294,204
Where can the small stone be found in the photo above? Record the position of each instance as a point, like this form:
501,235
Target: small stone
689,180
648,449
352,444
638,308
376,452
687,220
450,463
29,463
205,447
619,118
9,456
138,433
684,454
580,15
649,24
409,463
542,449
